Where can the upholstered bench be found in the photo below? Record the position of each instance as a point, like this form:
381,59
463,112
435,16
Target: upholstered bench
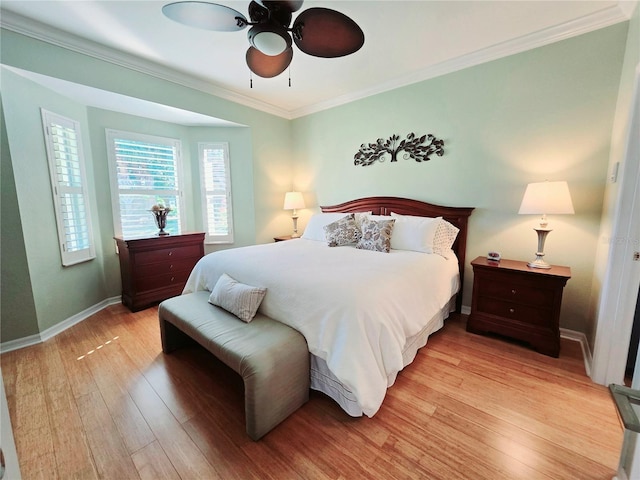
271,357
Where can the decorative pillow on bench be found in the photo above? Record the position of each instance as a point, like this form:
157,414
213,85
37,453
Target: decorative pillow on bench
237,298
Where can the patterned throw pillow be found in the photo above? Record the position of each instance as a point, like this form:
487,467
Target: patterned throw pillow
342,232
444,237
376,235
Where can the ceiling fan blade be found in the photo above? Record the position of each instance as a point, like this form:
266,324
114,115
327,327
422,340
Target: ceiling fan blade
291,5
209,16
267,66
326,33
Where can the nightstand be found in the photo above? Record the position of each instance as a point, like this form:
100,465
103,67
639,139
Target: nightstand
517,301
283,238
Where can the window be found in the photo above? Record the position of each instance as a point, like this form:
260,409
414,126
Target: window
68,182
145,171
215,183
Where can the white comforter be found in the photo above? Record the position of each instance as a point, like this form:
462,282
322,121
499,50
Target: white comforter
354,307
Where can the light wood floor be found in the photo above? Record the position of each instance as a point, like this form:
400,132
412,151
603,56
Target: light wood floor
101,400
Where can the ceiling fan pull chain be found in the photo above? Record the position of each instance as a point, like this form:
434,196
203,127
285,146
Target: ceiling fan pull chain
289,75
250,79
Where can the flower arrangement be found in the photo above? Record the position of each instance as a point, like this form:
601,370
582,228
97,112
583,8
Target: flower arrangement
160,213
160,207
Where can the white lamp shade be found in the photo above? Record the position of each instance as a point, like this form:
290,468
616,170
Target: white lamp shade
293,201
547,198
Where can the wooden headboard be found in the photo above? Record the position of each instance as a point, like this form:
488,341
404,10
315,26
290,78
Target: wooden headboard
457,216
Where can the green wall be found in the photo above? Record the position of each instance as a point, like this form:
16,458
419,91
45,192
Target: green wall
58,293
17,308
542,114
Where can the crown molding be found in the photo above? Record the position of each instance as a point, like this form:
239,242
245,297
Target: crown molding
588,23
46,33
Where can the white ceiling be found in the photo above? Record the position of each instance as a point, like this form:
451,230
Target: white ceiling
405,42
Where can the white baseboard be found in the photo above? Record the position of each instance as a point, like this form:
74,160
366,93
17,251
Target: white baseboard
569,335
584,344
58,328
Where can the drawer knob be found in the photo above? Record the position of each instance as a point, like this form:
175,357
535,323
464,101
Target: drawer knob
171,267
173,278
513,291
170,252
512,310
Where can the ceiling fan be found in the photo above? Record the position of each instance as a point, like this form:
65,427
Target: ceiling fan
317,31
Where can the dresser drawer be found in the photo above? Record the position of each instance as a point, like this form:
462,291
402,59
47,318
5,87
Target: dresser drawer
510,311
160,281
517,290
171,266
166,254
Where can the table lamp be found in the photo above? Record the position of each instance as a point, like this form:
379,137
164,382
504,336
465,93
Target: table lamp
544,198
294,201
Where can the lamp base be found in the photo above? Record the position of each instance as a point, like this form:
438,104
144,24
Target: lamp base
539,263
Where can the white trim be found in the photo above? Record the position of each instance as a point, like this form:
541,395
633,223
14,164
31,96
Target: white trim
57,328
7,440
465,310
24,26
581,338
619,292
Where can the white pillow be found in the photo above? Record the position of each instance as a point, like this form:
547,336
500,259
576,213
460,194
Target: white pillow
444,237
414,233
317,222
237,298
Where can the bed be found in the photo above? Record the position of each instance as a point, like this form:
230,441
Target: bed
363,313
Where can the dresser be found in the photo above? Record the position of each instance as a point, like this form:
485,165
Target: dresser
156,268
517,301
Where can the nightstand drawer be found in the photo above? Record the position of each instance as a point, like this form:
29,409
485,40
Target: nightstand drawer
166,254
514,311
517,290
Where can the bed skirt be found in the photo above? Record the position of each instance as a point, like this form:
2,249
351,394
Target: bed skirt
324,381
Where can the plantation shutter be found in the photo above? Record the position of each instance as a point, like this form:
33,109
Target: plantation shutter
68,182
216,188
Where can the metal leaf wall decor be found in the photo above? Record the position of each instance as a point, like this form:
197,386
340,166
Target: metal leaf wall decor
412,146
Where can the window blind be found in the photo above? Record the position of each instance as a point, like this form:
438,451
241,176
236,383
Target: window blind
147,173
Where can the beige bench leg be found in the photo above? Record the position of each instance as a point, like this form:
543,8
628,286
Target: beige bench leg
172,337
273,395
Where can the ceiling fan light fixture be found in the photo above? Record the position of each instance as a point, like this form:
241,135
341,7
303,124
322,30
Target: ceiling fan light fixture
270,39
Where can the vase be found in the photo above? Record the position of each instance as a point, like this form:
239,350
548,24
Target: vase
160,217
